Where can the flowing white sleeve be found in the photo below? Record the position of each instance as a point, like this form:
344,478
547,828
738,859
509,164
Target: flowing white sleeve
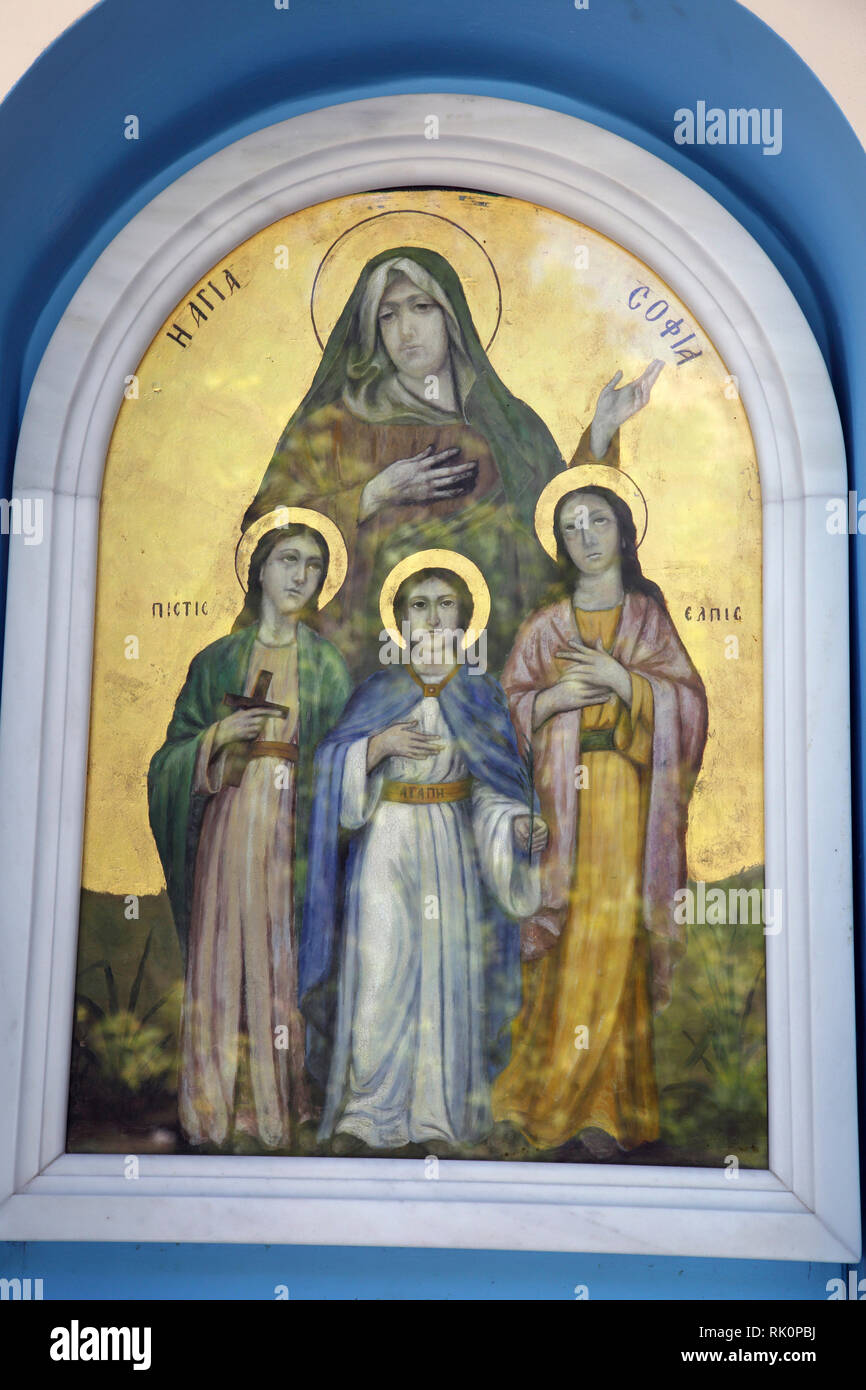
208,771
359,792
506,869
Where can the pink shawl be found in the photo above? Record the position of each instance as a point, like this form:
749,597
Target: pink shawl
646,642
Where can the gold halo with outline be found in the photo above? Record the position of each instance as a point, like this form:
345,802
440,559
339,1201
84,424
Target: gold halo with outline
460,248
436,560
591,474
287,516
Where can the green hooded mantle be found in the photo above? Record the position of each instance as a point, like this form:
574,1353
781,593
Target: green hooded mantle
525,451
356,419
175,811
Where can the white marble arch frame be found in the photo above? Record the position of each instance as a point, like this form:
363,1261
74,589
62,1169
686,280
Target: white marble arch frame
805,1206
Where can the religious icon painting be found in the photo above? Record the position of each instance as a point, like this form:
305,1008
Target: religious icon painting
425,799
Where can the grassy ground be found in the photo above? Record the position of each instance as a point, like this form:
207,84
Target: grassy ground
709,1043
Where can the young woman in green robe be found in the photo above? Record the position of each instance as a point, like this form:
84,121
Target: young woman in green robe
229,795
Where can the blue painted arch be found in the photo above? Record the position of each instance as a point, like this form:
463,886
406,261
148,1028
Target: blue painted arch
202,74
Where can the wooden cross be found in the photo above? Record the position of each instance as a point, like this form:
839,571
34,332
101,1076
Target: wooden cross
258,699
238,754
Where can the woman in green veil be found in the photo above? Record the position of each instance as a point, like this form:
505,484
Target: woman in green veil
410,441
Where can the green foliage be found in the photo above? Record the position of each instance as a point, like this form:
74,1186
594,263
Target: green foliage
711,1044
130,1057
124,1058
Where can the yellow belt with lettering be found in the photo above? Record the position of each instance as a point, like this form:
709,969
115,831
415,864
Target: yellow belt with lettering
425,794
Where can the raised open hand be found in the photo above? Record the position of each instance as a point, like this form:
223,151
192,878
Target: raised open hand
616,404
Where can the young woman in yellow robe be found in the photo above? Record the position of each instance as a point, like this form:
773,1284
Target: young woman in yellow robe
602,690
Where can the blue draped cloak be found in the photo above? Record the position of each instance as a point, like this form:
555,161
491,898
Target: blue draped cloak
476,712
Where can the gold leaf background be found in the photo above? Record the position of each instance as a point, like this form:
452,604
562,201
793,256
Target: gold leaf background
187,456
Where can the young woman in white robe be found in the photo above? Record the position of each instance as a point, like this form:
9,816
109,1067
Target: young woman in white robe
440,853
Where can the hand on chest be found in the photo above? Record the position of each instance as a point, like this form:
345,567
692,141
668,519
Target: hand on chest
428,717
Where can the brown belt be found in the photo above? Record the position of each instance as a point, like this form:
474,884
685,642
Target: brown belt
425,794
287,751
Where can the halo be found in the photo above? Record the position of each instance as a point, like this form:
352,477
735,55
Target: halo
591,474
286,516
435,560
337,274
